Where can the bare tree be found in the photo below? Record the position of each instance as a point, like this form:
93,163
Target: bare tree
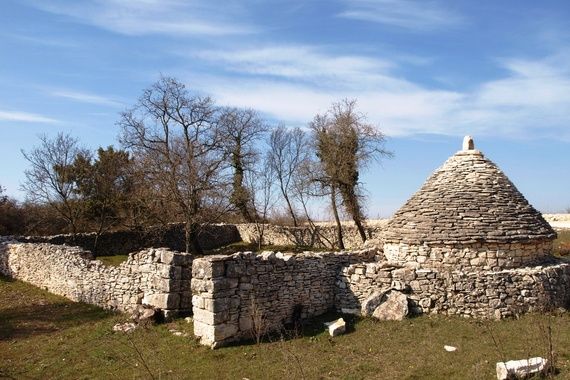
345,144
260,183
241,129
288,152
175,134
49,180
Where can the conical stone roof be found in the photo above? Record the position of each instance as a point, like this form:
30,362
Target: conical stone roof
467,200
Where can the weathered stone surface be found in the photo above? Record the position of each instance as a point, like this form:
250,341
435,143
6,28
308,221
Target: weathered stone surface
372,302
520,369
337,327
395,308
324,236
72,273
261,292
143,314
124,327
476,293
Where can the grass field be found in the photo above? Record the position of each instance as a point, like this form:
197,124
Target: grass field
44,336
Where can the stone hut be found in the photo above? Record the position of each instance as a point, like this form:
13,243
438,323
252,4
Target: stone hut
468,215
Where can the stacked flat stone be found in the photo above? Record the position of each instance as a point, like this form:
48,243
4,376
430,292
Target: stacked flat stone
468,201
156,277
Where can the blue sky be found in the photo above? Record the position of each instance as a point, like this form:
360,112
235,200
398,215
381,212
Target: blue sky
427,72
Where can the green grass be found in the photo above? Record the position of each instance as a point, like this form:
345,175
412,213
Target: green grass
113,260
253,247
46,336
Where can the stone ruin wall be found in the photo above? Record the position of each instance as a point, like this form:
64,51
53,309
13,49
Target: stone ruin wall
156,277
212,236
483,294
230,291
124,242
322,236
485,256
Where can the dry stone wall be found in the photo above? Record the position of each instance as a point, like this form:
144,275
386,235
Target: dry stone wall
123,242
156,277
486,256
486,294
320,237
237,295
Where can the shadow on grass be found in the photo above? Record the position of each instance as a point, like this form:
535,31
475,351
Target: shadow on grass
309,328
30,320
5,279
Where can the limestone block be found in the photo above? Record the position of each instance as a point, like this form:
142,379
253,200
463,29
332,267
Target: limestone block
162,300
166,257
169,271
519,369
337,327
372,302
209,317
207,268
216,305
395,308
224,283
197,302
210,334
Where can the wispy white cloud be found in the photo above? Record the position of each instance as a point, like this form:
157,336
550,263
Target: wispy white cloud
51,42
143,17
422,15
25,117
308,64
85,97
294,83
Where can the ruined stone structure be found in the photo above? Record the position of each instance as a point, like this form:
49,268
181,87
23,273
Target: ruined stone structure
156,277
236,295
467,243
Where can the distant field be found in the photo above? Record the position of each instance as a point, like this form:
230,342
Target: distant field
46,336
562,244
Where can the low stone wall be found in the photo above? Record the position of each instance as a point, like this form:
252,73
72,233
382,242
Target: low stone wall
236,295
486,294
156,277
488,256
123,242
323,236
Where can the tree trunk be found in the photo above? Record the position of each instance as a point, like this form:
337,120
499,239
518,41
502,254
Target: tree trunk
196,247
360,228
289,206
240,196
336,218
350,198
187,237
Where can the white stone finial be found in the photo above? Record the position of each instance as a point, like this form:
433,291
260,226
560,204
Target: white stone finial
468,143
